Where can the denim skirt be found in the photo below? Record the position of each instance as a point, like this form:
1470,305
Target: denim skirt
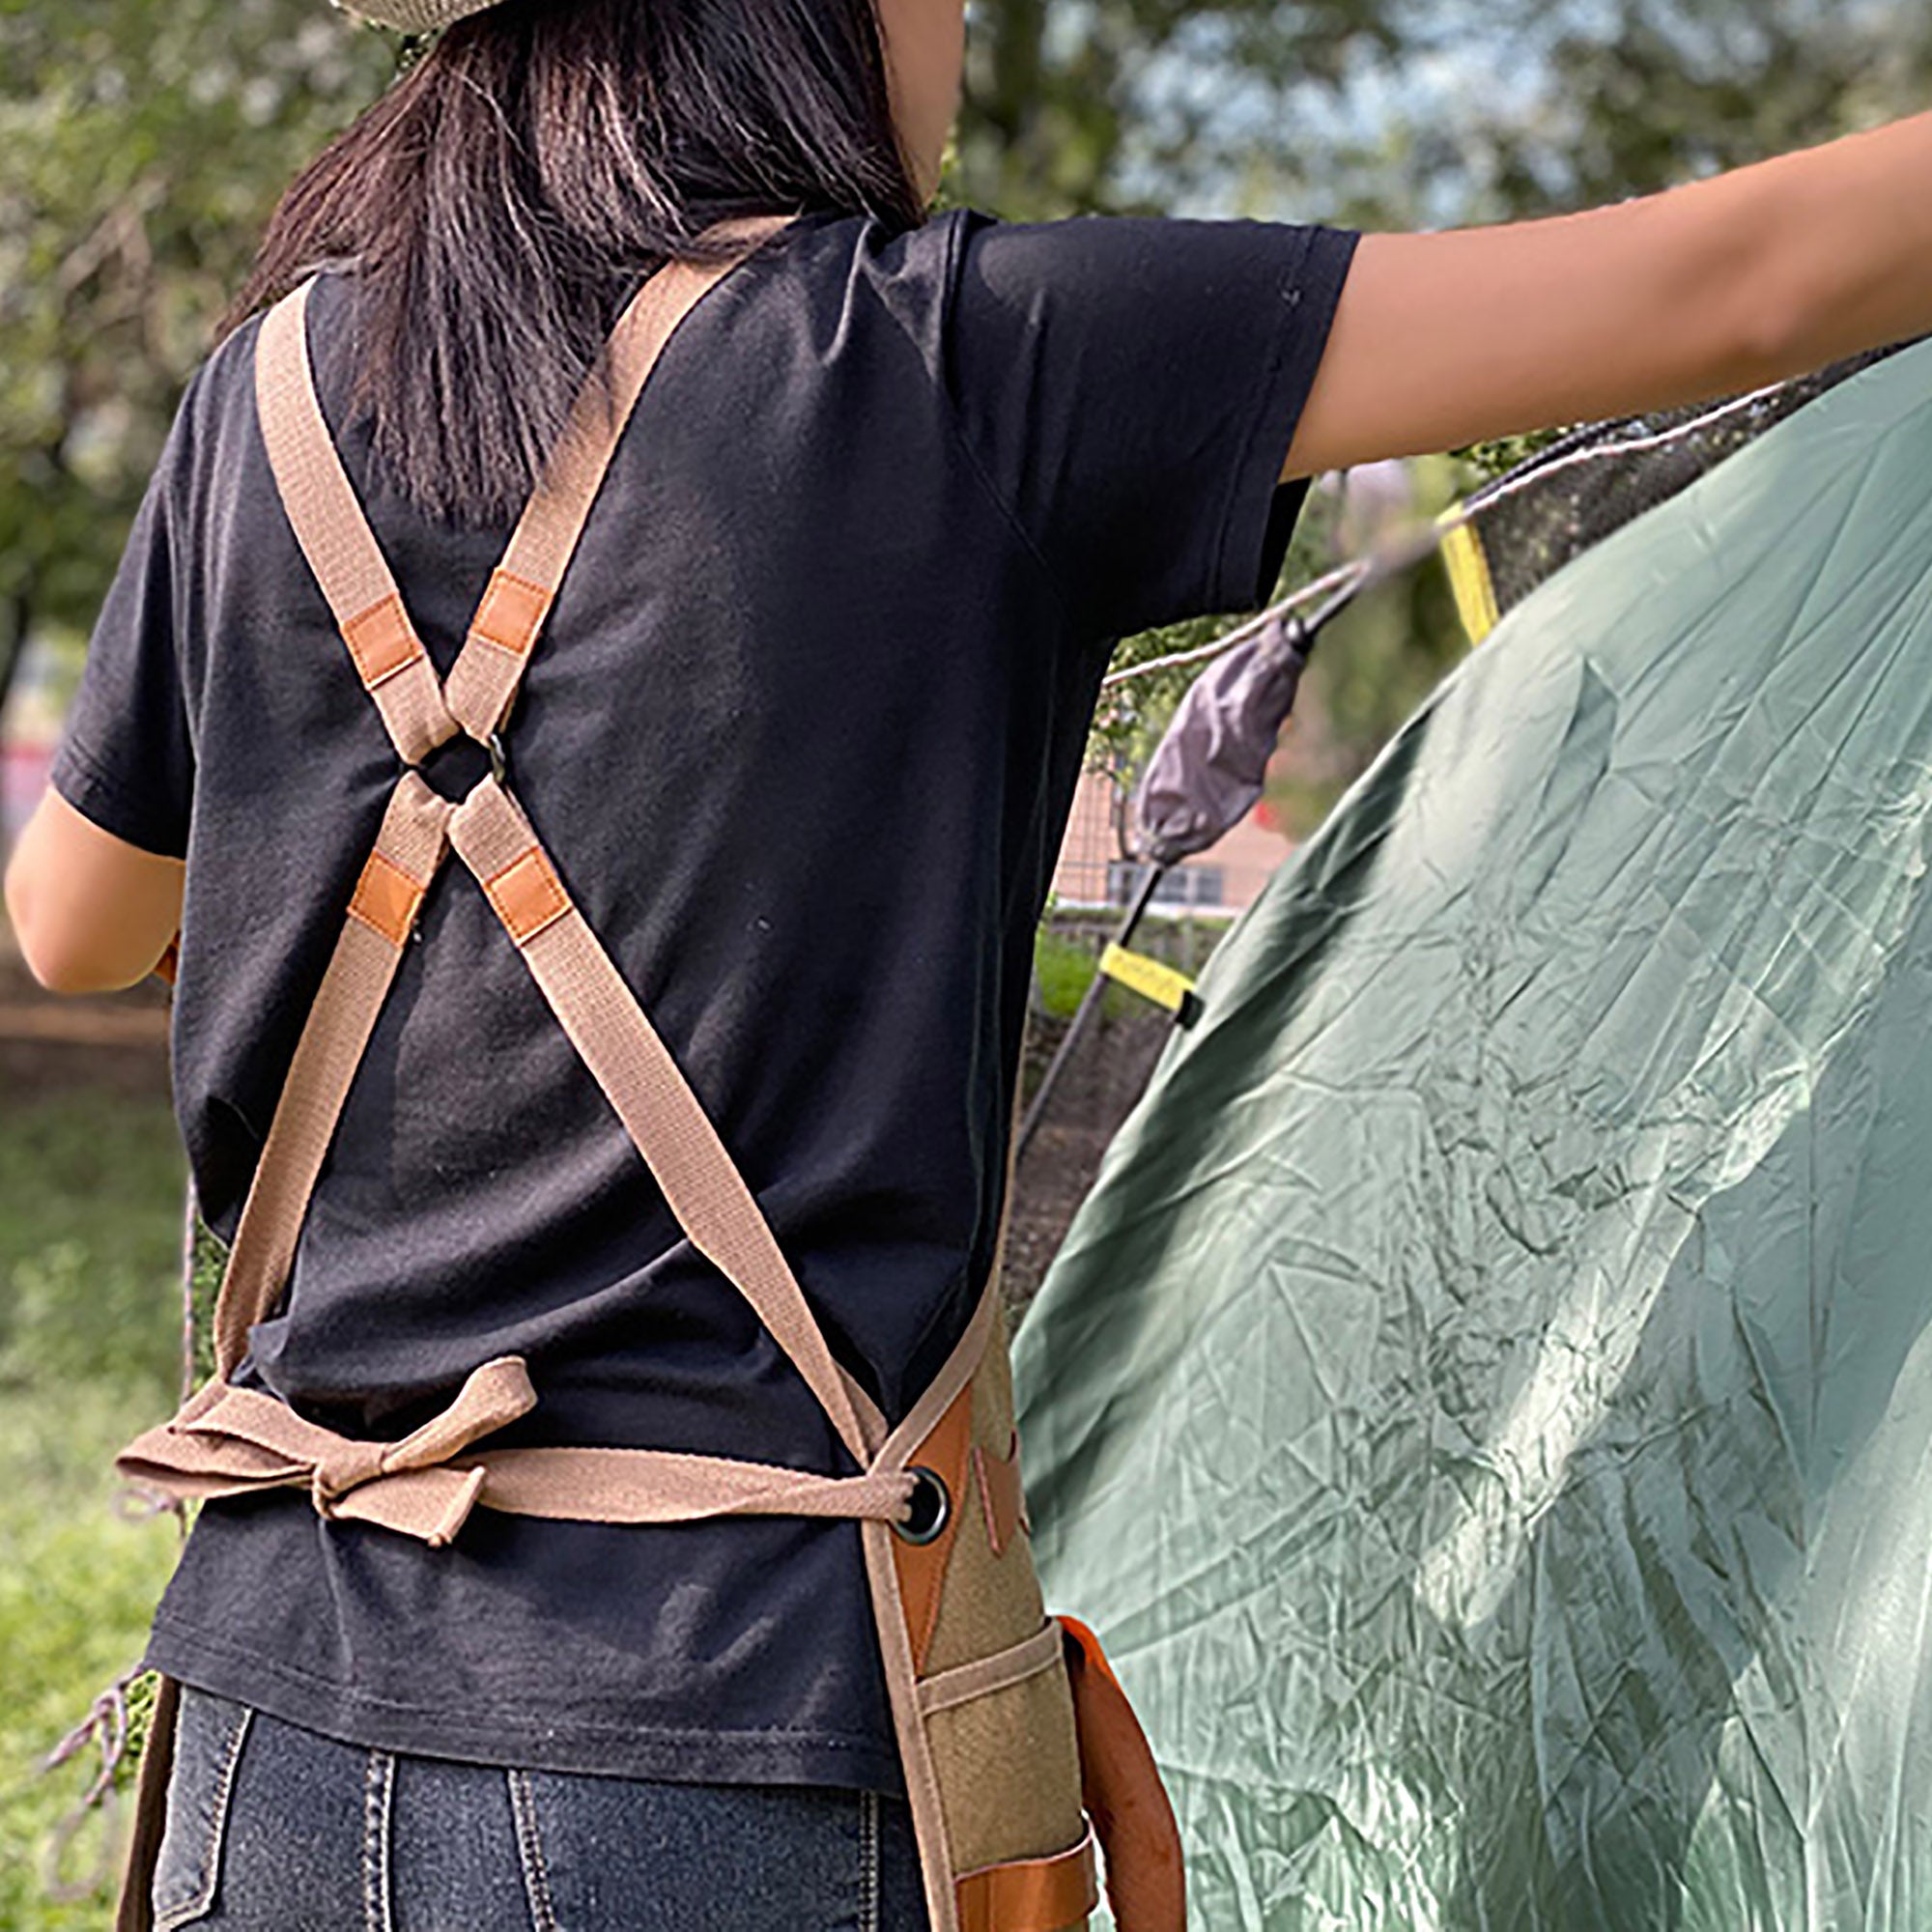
271,1828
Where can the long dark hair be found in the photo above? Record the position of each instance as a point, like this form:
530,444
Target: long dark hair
503,196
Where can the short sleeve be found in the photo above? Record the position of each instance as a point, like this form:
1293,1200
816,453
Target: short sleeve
1131,386
126,758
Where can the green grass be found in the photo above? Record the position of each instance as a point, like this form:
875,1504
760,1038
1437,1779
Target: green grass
1066,960
90,1203
1065,970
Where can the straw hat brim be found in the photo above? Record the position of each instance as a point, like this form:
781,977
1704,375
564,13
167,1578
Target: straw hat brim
413,17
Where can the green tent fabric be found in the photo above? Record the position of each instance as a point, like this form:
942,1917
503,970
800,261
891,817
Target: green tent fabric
1485,1404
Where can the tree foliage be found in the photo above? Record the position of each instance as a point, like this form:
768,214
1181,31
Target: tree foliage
142,143
141,147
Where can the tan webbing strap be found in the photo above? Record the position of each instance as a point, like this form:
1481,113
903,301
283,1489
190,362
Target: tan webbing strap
336,539
482,683
230,1441
663,1486
407,850
649,1093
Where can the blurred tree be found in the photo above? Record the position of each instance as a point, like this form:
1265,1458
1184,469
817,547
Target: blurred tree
141,147
1400,114
142,144
1065,97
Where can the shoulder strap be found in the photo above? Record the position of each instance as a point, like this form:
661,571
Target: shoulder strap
650,1095
408,850
482,684
336,539
348,564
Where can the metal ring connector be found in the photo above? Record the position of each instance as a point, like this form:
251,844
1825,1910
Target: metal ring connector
929,1509
499,757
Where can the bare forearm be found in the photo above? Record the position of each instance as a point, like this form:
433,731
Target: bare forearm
1848,241
1717,286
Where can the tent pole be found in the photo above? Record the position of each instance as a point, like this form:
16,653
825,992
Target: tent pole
1151,877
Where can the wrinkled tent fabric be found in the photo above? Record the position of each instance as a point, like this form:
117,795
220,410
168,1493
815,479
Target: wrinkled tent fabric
1485,1405
1209,769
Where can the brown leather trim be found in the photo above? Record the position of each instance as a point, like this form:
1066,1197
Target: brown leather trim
512,613
381,641
1000,1494
134,1905
921,1567
1121,1789
385,898
527,895
1031,1895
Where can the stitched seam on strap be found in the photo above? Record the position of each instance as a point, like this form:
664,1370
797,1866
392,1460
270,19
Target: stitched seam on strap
375,901
524,920
529,1851
372,667
988,1676
533,620
379,1778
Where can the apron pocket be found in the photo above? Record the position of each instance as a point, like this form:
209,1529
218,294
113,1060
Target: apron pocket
1006,1756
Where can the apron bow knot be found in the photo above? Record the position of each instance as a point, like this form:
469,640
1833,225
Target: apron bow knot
231,1441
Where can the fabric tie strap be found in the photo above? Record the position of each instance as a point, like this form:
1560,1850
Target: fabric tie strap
230,1441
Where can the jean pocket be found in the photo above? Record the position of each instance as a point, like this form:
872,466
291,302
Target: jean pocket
208,1734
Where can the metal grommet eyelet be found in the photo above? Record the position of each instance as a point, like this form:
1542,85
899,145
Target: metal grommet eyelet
929,1510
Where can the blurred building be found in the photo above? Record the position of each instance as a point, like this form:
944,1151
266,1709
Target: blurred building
1227,877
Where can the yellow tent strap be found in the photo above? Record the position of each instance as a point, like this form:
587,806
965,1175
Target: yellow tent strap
1470,580
1153,981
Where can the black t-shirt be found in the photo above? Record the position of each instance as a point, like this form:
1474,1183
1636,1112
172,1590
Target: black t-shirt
802,737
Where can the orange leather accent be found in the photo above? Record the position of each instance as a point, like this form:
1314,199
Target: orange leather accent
512,613
385,898
527,895
168,966
1001,1495
921,1567
1031,1895
1121,1788
381,641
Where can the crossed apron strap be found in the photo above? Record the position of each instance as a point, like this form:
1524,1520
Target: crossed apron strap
623,1051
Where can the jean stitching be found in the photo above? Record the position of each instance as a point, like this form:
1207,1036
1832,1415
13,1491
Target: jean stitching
531,1852
868,1855
217,1831
378,1790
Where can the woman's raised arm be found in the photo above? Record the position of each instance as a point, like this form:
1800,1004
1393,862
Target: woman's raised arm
1722,285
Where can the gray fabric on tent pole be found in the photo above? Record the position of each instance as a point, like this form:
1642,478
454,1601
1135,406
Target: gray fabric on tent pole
1206,773
1485,1404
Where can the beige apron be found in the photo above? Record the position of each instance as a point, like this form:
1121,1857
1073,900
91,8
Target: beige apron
981,1681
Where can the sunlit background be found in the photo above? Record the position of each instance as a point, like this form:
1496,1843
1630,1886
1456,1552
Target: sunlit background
141,147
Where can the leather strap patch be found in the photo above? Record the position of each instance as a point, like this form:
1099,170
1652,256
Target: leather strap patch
511,614
1121,1789
1001,1495
527,895
381,641
921,1567
1031,1894
386,898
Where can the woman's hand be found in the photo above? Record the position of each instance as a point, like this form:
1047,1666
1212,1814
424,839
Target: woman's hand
1723,285
93,914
